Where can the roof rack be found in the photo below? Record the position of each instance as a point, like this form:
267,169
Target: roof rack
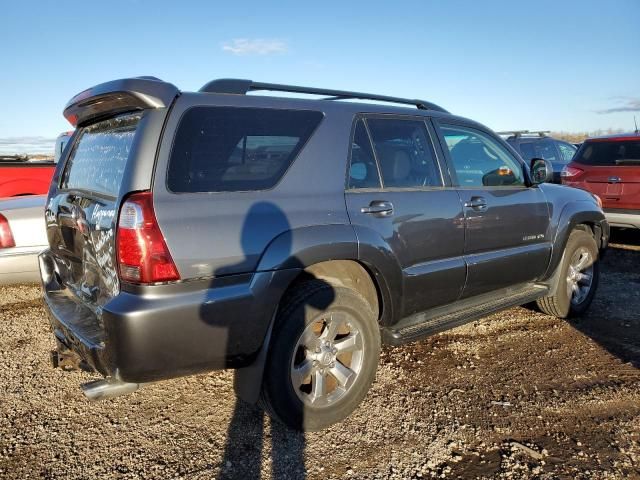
519,133
242,87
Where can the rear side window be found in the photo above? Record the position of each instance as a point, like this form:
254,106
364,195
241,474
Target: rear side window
528,151
100,155
605,154
363,171
224,149
404,153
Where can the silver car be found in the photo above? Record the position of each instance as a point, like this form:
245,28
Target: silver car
22,237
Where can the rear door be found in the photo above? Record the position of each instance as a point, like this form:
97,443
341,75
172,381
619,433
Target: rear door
396,188
507,222
82,208
612,171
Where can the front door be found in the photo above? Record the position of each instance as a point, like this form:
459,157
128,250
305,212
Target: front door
507,238
396,189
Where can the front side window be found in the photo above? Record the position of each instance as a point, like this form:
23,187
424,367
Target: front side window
404,153
223,149
479,160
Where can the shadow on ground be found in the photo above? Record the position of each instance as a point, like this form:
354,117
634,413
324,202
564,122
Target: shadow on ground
613,320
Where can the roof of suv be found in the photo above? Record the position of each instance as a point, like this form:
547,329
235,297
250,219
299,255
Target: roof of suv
616,137
151,92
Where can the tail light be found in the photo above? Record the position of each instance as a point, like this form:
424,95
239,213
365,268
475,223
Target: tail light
6,237
143,256
570,172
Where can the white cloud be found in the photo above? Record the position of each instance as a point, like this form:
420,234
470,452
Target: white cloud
254,46
20,145
625,104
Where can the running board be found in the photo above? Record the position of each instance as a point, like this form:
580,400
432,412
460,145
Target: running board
434,321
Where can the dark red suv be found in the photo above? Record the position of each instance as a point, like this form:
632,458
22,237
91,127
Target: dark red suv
610,167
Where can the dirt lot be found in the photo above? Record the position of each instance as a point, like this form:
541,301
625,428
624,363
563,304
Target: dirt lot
516,395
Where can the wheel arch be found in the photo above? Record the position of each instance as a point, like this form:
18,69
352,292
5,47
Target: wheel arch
581,215
333,253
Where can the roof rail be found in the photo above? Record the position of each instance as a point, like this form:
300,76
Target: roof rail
242,87
519,133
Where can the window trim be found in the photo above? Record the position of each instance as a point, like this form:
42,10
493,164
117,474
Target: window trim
451,167
216,106
352,136
432,144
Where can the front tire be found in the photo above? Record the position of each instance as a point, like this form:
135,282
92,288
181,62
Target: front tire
322,358
579,276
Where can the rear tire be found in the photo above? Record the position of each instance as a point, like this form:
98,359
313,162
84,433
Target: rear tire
322,358
579,276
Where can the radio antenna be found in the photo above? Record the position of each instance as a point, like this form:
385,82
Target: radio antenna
634,121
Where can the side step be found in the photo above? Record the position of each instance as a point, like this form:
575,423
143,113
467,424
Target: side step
428,323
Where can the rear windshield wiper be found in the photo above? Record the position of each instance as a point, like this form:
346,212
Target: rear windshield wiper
628,161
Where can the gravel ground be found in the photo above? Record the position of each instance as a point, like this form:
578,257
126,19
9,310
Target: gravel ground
515,395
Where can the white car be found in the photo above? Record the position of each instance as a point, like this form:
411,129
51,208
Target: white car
22,237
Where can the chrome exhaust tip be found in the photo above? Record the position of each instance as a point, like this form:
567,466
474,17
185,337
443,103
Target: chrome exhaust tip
107,388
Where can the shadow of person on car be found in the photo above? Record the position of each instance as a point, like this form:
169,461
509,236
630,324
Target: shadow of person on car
246,444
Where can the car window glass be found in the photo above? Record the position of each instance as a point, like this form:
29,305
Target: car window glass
527,150
479,160
567,151
546,150
363,171
404,152
99,157
608,153
221,149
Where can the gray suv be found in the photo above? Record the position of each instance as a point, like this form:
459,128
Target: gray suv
288,238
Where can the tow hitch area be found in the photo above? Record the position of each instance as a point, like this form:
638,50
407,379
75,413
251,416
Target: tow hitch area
107,388
68,360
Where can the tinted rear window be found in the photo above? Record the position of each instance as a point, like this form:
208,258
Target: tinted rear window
222,149
100,156
609,153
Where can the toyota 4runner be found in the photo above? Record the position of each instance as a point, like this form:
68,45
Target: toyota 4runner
287,238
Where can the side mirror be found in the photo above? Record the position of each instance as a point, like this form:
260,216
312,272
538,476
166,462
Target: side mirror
541,171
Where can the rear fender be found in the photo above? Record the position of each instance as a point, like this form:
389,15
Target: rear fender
302,247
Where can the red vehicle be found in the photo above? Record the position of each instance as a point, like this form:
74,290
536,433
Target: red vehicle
609,167
20,176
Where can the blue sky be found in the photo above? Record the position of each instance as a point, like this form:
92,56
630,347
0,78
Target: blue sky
557,65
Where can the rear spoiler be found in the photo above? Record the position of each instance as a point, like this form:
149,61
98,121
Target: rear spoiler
119,96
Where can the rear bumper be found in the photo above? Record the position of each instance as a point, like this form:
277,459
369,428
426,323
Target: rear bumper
19,267
623,220
163,331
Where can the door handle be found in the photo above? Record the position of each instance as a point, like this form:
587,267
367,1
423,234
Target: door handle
477,203
378,208
615,179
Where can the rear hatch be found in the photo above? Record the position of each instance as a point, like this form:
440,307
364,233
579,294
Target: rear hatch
612,171
82,210
112,152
